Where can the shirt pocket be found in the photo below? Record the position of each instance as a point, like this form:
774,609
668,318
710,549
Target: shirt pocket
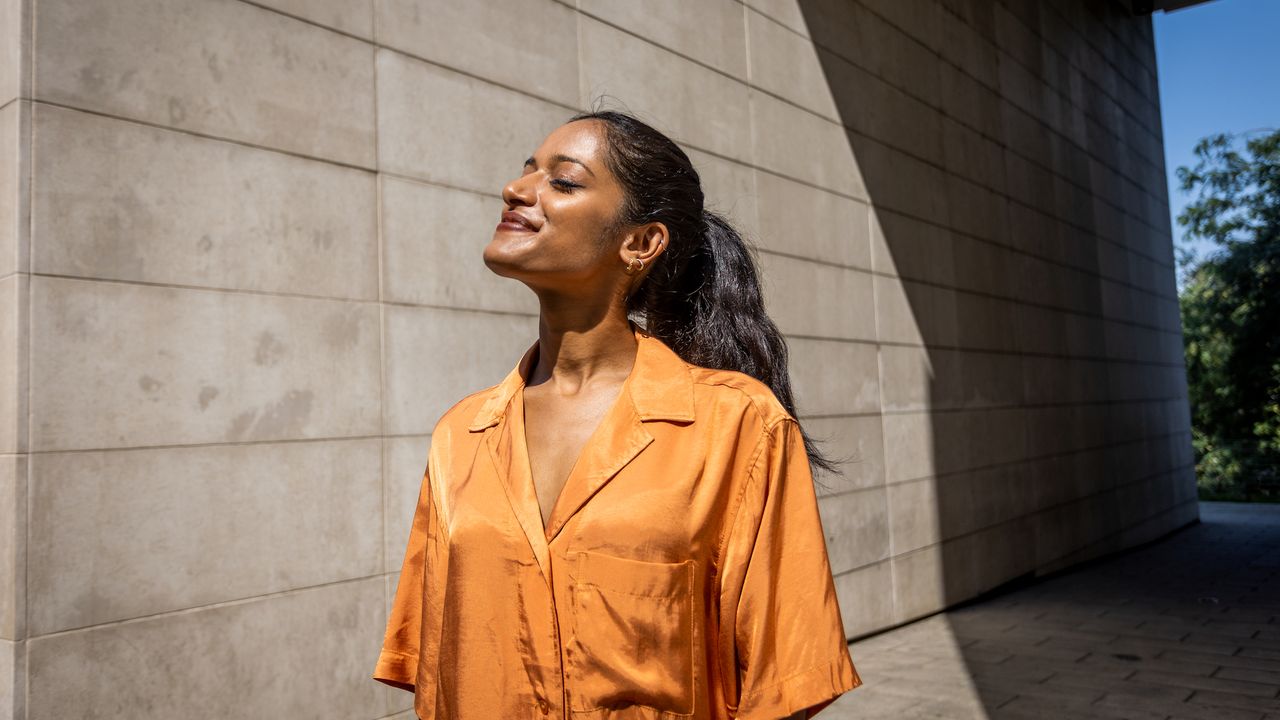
632,636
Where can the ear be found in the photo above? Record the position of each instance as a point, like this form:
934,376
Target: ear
645,243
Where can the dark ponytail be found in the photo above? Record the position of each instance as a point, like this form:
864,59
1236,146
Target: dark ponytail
702,295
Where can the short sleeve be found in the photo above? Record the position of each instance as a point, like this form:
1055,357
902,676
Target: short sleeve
782,643
405,645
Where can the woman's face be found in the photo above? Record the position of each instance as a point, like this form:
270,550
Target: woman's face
570,198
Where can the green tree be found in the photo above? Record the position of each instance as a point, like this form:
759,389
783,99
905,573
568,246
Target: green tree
1230,306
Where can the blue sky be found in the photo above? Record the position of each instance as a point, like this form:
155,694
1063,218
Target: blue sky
1219,71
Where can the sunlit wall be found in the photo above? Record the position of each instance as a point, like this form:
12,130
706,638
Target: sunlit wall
241,277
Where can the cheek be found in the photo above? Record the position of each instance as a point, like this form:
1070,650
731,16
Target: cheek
559,246
584,232
575,248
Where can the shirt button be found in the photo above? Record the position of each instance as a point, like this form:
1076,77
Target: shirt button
542,705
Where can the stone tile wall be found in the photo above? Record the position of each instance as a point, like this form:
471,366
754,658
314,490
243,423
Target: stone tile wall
240,279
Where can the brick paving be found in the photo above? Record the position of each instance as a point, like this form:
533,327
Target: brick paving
1186,628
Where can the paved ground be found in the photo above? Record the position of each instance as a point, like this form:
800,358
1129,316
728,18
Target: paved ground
1183,629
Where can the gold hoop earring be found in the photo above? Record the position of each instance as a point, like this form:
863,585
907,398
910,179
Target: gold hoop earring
635,260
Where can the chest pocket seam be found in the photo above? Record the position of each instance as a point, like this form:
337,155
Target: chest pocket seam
598,637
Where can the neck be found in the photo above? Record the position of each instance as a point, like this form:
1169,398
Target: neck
574,358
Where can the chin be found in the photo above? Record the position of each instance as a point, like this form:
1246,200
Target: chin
499,264
509,250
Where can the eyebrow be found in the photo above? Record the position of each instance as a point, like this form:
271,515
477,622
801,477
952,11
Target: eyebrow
559,158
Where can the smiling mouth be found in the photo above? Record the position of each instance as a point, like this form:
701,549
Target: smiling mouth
514,227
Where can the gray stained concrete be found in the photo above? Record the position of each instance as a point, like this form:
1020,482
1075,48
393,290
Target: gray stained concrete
1187,627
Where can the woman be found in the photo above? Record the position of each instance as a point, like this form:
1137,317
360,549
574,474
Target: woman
626,525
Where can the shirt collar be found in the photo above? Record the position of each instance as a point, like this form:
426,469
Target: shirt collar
661,387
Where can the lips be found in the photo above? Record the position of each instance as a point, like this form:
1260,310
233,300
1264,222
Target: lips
514,218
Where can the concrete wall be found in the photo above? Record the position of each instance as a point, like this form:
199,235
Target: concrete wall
15,131
241,279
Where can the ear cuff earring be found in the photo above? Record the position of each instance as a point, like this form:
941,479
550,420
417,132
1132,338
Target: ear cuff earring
631,265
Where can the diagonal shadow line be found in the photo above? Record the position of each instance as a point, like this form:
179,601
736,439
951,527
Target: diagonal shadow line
1019,452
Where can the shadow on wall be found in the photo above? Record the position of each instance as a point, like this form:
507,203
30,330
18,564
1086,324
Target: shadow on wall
1023,430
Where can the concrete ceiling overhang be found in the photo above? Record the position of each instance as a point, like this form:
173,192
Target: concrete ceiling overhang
1146,7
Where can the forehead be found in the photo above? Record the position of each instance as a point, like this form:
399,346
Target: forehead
581,139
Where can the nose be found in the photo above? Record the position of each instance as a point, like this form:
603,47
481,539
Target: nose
519,191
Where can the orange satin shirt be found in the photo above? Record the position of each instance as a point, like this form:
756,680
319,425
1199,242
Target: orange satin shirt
683,572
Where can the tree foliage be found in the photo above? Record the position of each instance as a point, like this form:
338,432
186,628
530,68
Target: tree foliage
1230,306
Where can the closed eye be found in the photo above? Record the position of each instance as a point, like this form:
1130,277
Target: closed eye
565,185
